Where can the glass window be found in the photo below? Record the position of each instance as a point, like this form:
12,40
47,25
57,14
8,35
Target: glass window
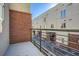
63,13
52,26
44,19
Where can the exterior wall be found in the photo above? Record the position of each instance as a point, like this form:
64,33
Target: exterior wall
4,35
74,38
71,13
53,17
23,7
20,23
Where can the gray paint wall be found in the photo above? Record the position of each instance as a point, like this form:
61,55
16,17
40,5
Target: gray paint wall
4,35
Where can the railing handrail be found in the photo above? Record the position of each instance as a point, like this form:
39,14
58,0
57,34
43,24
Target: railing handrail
65,30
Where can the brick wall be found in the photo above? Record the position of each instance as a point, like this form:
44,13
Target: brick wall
20,25
73,41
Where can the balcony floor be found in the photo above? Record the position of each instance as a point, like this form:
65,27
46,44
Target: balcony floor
23,49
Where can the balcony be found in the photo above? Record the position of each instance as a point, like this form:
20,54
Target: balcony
48,44
23,49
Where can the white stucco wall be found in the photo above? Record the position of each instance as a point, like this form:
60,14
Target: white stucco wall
23,7
4,35
72,12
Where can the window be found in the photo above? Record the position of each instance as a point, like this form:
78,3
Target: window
52,26
63,13
44,19
63,25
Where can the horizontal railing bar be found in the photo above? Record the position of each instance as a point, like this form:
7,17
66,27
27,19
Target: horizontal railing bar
45,50
64,41
66,30
68,41
62,44
63,35
66,51
60,35
67,46
59,51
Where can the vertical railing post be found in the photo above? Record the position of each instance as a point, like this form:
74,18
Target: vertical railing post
34,32
40,37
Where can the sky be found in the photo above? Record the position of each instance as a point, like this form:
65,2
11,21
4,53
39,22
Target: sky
39,8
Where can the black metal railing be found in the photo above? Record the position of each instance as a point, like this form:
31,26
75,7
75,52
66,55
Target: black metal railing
45,40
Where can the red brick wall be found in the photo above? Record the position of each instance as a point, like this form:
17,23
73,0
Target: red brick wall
73,38
20,25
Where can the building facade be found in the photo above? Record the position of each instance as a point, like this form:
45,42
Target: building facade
55,17
62,16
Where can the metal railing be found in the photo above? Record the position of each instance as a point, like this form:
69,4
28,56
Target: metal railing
56,48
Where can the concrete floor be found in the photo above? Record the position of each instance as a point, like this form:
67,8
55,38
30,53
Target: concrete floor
23,49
